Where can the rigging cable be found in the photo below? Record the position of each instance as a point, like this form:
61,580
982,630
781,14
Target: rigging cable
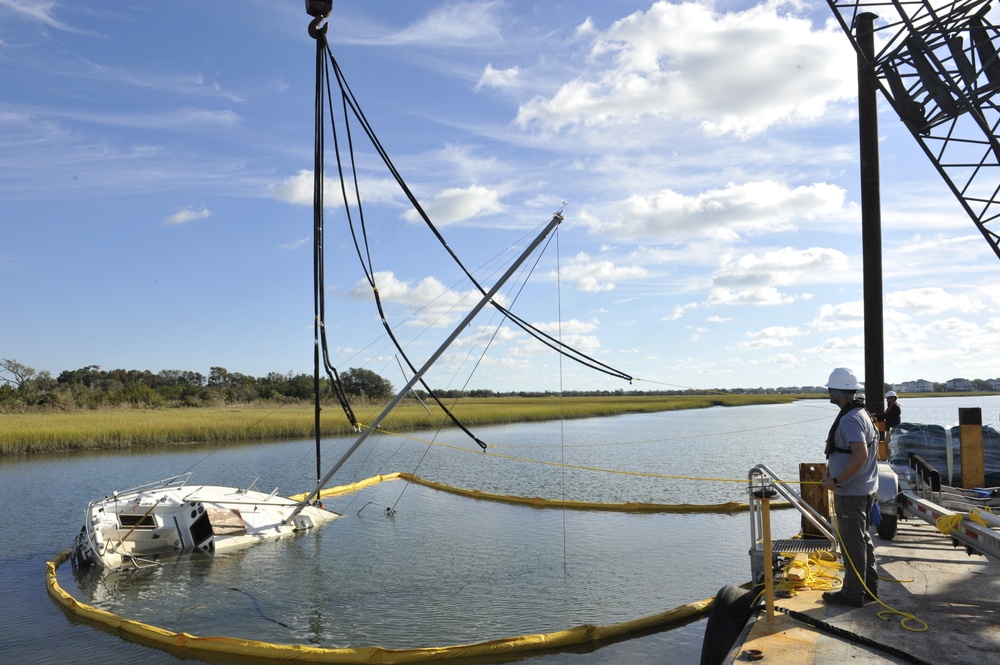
562,419
319,296
558,345
365,256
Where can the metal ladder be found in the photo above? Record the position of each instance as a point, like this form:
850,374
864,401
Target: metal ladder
763,485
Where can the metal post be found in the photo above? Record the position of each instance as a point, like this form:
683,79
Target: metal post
765,513
871,217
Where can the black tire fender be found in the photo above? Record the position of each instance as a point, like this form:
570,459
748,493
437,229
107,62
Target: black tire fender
729,614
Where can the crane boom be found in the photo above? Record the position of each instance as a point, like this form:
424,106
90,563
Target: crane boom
936,63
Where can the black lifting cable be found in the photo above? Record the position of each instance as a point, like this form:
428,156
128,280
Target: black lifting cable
366,263
319,277
351,101
849,636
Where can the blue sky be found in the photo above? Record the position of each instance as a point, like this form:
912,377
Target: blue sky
155,174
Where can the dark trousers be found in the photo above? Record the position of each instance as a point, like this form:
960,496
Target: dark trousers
853,524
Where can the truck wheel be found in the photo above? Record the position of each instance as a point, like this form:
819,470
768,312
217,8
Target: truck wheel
887,529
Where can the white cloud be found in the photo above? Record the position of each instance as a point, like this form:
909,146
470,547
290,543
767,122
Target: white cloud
298,190
775,331
593,276
785,266
466,24
571,327
753,208
498,78
187,215
295,244
770,337
932,300
765,66
41,11
428,302
837,317
459,204
767,295
752,279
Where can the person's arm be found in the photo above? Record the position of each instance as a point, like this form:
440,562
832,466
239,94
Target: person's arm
859,456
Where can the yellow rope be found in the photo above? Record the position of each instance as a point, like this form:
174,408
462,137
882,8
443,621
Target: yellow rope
888,611
976,513
948,524
816,573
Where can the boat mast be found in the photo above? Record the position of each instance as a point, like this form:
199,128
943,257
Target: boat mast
483,302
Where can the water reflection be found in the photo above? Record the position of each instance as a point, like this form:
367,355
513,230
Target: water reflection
447,570
443,569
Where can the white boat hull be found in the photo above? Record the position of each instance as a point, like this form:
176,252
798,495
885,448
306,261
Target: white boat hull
157,523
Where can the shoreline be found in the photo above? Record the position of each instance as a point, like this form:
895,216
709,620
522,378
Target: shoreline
58,432
46,432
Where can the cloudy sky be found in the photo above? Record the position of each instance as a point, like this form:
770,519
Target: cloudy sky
156,173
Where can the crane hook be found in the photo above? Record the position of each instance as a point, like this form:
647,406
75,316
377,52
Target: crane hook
314,30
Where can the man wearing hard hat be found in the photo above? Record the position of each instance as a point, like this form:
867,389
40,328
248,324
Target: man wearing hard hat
852,475
892,416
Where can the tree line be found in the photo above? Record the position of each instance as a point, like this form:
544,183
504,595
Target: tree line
91,387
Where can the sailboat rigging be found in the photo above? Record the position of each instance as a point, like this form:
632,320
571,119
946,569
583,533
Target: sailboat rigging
161,521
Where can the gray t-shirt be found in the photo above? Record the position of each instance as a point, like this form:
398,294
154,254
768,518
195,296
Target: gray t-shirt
855,426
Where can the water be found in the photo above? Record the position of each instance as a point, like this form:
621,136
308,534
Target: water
444,569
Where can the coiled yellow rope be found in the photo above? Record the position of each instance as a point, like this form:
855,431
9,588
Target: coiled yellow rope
948,524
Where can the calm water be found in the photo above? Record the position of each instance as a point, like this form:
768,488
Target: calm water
443,569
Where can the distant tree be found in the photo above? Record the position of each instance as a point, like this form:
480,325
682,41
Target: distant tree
176,377
365,383
218,377
299,386
15,373
75,377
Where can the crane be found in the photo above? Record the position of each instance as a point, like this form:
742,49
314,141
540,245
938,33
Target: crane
937,65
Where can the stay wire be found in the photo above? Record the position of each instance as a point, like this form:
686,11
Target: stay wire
351,101
562,419
514,298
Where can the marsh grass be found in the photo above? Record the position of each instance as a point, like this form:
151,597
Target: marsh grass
63,431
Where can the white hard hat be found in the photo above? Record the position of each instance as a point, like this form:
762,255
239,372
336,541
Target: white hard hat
890,394
843,379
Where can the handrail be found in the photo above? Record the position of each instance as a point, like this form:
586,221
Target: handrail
790,495
179,480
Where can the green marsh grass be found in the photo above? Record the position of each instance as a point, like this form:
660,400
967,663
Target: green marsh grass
65,431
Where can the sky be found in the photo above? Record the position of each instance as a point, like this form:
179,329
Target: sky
156,195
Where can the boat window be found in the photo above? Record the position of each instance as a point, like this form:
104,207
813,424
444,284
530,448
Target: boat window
137,521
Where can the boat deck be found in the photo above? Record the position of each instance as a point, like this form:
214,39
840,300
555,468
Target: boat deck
957,595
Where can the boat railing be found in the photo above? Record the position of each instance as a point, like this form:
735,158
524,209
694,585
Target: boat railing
763,485
179,480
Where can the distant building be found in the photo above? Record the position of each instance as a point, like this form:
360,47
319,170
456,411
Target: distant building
918,386
959,385
994,384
